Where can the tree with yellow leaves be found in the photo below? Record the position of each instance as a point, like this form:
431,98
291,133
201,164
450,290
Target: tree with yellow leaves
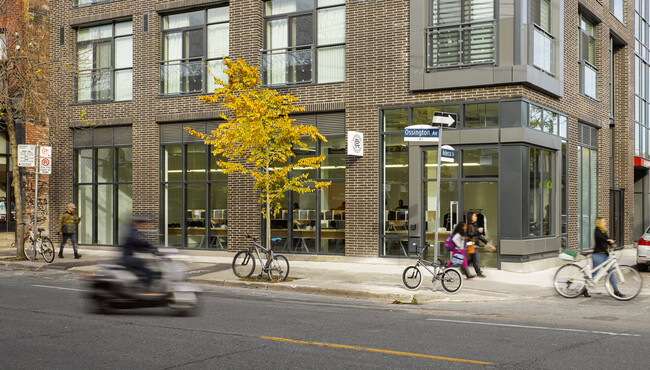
259,139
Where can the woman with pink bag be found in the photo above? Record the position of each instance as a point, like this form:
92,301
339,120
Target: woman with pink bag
458,256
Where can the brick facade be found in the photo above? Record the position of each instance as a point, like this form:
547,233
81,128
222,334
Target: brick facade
377,75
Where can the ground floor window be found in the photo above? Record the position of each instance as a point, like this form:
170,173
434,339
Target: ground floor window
540,194
102,183
587,184
194,204
315,222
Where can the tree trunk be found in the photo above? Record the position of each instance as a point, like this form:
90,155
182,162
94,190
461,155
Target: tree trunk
268,210
16,180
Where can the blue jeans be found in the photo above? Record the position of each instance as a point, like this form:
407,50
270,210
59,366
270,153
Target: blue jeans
598,259
73,240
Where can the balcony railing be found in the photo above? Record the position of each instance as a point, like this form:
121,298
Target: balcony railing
181,77
288,66
93,85
543,50
460,45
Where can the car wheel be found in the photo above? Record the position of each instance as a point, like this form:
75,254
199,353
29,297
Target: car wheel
642,267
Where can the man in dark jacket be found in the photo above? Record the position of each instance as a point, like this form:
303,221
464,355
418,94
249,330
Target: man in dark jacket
68,225
135,243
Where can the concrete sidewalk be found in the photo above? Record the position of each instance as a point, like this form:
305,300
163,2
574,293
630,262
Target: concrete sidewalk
371,278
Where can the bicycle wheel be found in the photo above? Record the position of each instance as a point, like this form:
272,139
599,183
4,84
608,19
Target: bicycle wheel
569,281
451,281
278,268
29,248
47,249
412,277
243,264
629,286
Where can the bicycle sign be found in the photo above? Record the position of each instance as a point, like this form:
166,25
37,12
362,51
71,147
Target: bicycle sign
45,167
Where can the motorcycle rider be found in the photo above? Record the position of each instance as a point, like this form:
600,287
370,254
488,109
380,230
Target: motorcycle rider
136,243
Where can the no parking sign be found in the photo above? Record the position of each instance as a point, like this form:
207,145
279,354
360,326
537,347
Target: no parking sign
45,167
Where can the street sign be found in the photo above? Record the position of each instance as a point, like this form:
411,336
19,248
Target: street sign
444,119
447,154
355,143
45,166
45,152
421,133
26,155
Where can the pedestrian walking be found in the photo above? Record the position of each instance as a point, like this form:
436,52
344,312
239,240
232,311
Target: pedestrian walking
460,238
68,227
475,235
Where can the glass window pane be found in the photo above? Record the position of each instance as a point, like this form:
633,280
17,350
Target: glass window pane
105,214
334,150
304,222
550,122
330,2
424,115
449,170
482,115
279,226
193,44
85,56
563,127
218,41
309,151
196,215
547,193
123,28
173,46
216,71
535,119
124,85
85,210
124,210
124,164
195,162
275,7
95,33
590,81
105,166
331,64
219,216
85,165
332,219
173,214
301,30
124,52
535,194
173,163
396,182
221,14
480,162
331,26
395,119
183,20
216,173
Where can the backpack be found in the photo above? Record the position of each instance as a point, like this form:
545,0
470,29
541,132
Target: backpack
449,243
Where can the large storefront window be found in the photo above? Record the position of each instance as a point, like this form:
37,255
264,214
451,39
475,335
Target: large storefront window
315,222
102,182
587,184
194,190
541,194
7,207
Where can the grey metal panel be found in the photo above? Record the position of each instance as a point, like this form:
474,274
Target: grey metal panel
502,75
506,32
418,24
122,135
331,123
82,138
305,119
512,205
197,126
530,136
479,136
415,189
510,113
103,136
170,133
530,246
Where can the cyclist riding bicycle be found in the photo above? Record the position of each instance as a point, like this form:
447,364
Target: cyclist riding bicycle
601,252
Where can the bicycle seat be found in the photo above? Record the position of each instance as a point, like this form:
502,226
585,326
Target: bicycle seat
275,240
40,230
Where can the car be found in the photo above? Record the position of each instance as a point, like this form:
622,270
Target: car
643,251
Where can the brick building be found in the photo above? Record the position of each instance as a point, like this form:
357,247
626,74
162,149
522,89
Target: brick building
542,89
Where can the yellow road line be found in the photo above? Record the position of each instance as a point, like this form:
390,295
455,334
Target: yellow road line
378,350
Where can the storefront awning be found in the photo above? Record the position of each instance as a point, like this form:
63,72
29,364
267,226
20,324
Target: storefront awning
641,162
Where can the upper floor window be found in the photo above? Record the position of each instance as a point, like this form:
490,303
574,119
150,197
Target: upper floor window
3,44
103,73
617,7
304,42
588,70
543,40
80,3
194,46
461,33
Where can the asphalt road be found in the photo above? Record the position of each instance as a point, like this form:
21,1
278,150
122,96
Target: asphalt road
43,324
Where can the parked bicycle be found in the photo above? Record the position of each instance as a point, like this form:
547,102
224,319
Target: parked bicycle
450,278
275,266
36,243
570,280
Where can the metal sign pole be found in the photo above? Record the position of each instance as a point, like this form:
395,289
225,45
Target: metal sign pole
38,164
435,245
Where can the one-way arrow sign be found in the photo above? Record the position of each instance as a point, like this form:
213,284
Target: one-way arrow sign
444,119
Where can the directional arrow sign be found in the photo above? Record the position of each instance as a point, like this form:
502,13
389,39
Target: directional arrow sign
444,119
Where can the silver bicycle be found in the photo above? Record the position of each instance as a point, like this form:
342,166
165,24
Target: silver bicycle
571,280
37,243
276,266
450,278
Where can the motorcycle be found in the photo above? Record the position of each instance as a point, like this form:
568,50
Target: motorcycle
119,287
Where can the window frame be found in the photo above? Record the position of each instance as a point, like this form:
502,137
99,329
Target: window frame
583,63
183,60
313,47
112,69
546,33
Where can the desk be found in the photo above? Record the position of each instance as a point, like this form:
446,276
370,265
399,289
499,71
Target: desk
215,237
303,234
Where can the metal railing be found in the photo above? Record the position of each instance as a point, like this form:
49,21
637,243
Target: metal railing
461,45
181,77
93,85
287,66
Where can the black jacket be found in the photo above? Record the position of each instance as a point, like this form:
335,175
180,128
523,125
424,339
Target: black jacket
601,241
474,235
135,243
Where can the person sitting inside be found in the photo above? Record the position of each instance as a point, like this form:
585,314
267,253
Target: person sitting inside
135,243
